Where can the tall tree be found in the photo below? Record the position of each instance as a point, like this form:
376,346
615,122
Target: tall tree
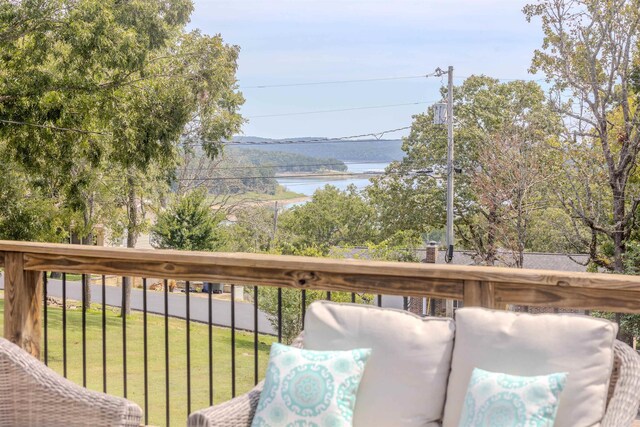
94,91
493,121
61,62
187,94
588,52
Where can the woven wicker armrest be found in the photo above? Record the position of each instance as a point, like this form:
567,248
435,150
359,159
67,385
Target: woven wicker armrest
31,394
237,412
624,395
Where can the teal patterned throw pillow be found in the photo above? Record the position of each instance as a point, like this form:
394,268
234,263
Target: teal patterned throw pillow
501,400
305,388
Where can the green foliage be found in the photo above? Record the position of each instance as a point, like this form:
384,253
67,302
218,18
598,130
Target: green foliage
26,215
332,218
282,161
251,232
188,224
101,95
382,151
594,87
500,132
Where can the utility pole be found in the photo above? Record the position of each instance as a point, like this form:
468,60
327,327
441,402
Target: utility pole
450,170
439,119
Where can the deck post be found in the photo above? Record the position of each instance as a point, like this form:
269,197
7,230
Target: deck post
479,294
472,292
22,304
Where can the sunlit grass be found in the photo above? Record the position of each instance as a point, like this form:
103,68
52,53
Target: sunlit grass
156,359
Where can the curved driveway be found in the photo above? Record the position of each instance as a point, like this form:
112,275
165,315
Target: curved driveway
221,310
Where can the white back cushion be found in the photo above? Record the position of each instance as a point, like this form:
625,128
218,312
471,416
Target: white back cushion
405,380
527,345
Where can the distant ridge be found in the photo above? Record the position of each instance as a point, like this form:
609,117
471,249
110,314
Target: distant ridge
319,139
370,150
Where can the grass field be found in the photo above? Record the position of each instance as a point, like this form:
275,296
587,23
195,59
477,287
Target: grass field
156,360
253,197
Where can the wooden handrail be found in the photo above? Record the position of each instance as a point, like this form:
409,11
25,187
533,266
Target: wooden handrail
491,287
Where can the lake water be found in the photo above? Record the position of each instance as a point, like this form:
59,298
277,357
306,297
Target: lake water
308,186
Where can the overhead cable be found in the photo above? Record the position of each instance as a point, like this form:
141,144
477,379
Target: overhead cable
330,82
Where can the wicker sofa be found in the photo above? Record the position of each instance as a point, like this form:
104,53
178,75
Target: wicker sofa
31,394
621,403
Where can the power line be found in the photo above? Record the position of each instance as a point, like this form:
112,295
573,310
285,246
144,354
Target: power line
351,138
329,82
339,110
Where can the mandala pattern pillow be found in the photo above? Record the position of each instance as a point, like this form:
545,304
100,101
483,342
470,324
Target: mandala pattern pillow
501,400
310,388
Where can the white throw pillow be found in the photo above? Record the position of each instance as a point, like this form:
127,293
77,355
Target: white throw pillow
528,345
406,376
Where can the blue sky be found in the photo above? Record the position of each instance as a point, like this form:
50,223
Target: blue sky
299,41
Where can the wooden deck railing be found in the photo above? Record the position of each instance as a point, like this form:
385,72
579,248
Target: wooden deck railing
490,287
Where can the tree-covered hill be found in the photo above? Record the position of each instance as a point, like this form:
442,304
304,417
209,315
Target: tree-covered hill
240,171
373,150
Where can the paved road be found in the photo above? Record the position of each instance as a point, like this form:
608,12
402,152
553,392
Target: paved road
221,310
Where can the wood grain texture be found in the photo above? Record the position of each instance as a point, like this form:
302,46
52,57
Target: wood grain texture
490,287
565,297
472,293
23,298
296,276
442,272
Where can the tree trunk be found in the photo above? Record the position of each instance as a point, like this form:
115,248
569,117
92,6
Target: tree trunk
492,219
619,246
521,225
132,237
87,240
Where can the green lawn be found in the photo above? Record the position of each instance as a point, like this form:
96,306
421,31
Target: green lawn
156,359
281,194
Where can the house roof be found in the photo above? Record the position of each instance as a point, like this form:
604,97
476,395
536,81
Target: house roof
534,260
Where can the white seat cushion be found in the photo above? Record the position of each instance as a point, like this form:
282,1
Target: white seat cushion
527,345
405,380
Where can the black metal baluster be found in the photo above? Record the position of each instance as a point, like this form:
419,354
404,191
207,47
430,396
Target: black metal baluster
405,303
166,351
188,317
328,295
124,337
255,335
279,314
379,300
233,341
46,333
84,331
304,306
146,367
64,324
104,334
353,297
210,286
